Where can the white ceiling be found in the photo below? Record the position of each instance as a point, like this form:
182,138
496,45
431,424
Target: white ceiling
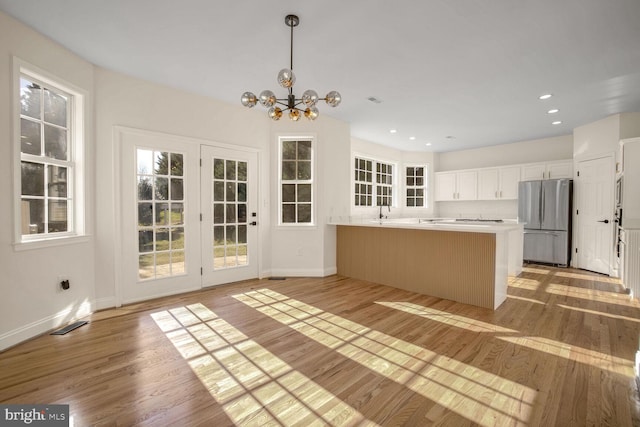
470,69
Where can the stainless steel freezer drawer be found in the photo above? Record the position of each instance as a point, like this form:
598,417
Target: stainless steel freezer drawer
546,246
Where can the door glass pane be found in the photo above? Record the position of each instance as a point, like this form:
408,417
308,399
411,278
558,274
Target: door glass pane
162,208
229,182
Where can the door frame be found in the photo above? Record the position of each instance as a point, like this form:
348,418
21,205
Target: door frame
118,132
611,156
226,275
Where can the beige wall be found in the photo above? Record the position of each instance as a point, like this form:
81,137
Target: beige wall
538,150
32,301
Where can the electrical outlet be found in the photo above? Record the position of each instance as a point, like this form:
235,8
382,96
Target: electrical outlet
62,282
299,252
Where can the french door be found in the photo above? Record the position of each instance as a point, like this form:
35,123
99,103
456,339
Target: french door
229,194
160,206
187,216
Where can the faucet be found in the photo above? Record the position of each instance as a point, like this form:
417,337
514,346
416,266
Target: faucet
380,216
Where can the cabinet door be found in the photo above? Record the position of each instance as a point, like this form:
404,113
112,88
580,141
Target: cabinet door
560,170
445,186
467,185
488,184
533,172
509,179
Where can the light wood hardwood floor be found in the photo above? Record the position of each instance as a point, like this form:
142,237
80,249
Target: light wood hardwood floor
338,351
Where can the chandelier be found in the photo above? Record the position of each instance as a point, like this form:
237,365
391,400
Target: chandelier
295,106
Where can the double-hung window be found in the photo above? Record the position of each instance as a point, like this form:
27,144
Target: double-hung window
296,181
374,182
416,186
49,134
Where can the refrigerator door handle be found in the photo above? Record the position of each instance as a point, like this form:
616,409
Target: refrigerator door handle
552,233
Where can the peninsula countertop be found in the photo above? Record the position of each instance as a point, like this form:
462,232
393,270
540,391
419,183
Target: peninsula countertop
473,225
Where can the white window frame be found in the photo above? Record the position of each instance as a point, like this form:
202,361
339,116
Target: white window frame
76,183
425,186
374,196
312,181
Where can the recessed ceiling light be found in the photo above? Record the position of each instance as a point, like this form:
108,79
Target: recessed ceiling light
545,96
557,122
553,111
412,138
428,144
393,131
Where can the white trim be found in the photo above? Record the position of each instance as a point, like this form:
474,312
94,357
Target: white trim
314,184
44,325
395,186
104,303
77,186
304,272
117,134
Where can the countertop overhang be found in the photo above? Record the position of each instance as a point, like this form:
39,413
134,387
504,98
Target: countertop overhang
431,224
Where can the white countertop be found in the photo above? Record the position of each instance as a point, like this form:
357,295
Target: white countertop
444,224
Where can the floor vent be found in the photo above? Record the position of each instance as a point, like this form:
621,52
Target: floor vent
69,328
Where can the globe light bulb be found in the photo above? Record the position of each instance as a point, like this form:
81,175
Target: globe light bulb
294,115
309,98
311,113
333,98
275,113
248,99
267,98
286,78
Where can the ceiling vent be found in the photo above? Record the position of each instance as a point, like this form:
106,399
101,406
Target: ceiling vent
375,100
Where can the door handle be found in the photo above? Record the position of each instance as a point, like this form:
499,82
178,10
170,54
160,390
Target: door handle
606,221
253,223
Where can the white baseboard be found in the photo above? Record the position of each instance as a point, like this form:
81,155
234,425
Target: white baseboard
103,303
311,272
46,324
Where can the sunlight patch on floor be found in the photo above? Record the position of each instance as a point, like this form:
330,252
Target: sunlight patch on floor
600,313
535,301
591,294
604,361
254,386
444,317
459,387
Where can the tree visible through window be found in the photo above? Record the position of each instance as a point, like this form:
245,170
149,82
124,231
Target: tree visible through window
161,210
46,160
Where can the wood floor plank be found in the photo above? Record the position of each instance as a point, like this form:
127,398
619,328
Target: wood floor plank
340,351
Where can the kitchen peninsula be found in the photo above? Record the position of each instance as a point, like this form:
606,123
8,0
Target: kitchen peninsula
467,262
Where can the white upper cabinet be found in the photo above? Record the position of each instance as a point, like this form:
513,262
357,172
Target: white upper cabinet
553,170
462,185
498,183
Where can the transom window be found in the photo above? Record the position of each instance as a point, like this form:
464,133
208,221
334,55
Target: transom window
49,147
296,181
161,211
367,191
415,186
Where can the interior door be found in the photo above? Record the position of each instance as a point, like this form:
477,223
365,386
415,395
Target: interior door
594,221
229,227
159,216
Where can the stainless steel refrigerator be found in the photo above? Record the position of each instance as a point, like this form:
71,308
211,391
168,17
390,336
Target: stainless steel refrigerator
545,208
